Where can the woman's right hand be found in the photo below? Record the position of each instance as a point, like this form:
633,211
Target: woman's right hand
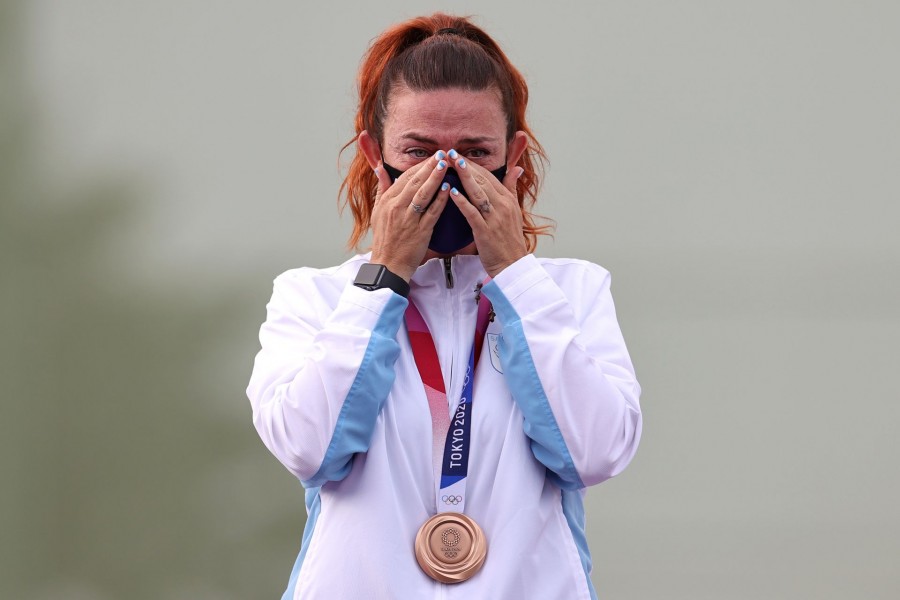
404,215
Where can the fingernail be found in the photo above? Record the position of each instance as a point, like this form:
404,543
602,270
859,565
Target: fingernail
454,191
521,172
441,165
377,169
444,186
453,154
440,155
462,163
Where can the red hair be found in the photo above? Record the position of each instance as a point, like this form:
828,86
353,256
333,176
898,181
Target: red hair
428,53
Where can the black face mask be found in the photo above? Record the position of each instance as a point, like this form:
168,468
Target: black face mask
451,232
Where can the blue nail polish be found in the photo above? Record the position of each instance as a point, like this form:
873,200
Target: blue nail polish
455,192
444,186
462,163
440,154
453,154
441,165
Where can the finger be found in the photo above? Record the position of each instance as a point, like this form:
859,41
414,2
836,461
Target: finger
384,180
476,180
420,169
490,192
422,193
509,181
436,207
512,178
474,216
412,177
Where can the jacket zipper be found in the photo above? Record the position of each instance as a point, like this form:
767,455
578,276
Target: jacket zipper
448,273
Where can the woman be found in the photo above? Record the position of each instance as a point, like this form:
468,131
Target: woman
433,469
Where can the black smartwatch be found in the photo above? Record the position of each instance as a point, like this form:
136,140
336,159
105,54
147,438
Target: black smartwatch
375,277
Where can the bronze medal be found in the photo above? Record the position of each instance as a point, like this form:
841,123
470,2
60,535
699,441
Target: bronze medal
450,547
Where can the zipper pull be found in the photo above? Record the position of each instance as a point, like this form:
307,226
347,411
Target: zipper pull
448,273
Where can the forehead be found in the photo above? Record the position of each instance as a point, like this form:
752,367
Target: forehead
446,113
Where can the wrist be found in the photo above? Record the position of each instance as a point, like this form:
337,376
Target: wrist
497,268
402,271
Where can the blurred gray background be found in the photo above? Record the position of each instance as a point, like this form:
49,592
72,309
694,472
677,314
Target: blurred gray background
736,165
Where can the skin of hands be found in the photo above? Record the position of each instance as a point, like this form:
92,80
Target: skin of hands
455,127
400,235
493,212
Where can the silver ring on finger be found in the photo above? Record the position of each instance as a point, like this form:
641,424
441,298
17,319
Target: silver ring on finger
485,207
418,208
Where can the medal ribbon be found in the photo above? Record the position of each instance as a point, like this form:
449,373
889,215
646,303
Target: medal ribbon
452,461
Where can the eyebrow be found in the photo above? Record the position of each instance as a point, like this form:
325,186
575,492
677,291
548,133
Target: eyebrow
427,140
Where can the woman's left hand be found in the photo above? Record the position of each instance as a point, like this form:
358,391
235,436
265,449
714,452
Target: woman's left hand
493,213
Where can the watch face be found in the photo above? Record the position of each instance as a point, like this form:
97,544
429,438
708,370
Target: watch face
368,275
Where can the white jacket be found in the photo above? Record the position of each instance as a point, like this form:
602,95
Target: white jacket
338,400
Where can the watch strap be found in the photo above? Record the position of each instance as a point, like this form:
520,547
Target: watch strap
373,276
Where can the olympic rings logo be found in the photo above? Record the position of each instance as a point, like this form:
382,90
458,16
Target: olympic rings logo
451,538
454,500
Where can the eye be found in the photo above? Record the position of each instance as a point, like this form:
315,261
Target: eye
477,153
419,153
